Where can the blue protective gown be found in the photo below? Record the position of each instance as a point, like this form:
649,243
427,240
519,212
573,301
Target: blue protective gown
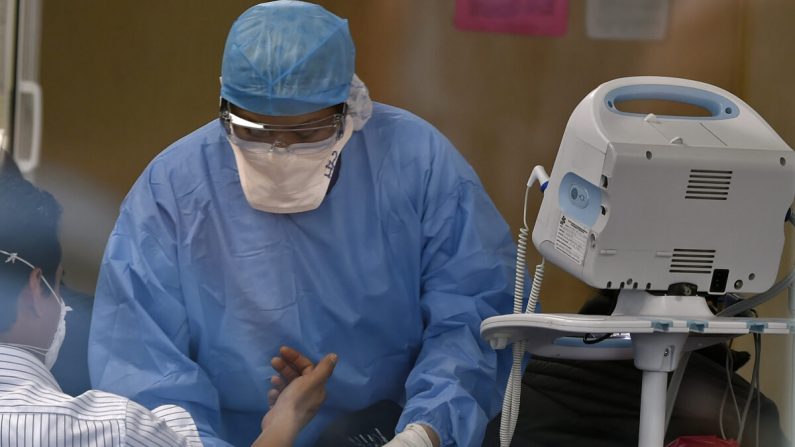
394,272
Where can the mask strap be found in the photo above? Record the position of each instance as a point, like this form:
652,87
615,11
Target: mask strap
14,257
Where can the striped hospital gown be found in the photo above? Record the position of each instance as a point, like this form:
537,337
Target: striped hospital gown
34,412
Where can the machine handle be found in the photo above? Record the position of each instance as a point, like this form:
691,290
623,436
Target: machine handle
30,163
719,106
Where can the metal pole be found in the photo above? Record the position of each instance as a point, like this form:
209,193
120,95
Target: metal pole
652,409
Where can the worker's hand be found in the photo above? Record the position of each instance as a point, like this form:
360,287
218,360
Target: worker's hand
299,390
415,435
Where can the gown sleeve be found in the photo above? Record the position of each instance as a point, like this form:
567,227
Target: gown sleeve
457,383
139,345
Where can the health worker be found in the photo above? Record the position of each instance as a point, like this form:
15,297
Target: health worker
308,216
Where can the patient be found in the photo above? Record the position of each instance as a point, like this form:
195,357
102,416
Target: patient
33,407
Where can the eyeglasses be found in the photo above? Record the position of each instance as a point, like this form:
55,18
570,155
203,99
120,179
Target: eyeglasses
283,135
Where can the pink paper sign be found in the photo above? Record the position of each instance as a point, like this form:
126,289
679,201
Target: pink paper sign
532,17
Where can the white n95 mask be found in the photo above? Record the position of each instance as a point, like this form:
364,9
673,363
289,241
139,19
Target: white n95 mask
287,181
60,333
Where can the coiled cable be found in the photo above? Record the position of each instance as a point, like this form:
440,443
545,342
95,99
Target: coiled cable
513,389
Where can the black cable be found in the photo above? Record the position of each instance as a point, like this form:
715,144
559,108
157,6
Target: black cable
589,338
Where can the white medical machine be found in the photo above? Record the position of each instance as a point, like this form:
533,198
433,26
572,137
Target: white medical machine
666,209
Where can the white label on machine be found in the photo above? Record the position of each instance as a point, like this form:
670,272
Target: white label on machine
571,239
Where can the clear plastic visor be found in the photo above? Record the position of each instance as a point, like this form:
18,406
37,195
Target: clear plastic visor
284,135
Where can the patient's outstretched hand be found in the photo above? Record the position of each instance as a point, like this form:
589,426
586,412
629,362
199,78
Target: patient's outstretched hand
297,393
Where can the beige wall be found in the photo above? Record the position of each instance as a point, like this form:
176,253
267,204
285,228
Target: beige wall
123,79
768,75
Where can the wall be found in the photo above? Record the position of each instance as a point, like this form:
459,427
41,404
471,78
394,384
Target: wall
124,79
768,72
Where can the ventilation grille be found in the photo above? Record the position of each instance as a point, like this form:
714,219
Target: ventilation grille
692,261
707,184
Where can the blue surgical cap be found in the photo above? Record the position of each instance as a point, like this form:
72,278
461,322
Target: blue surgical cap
287,58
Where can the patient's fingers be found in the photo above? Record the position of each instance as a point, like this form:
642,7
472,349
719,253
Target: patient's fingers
300,362
277,383
287,370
